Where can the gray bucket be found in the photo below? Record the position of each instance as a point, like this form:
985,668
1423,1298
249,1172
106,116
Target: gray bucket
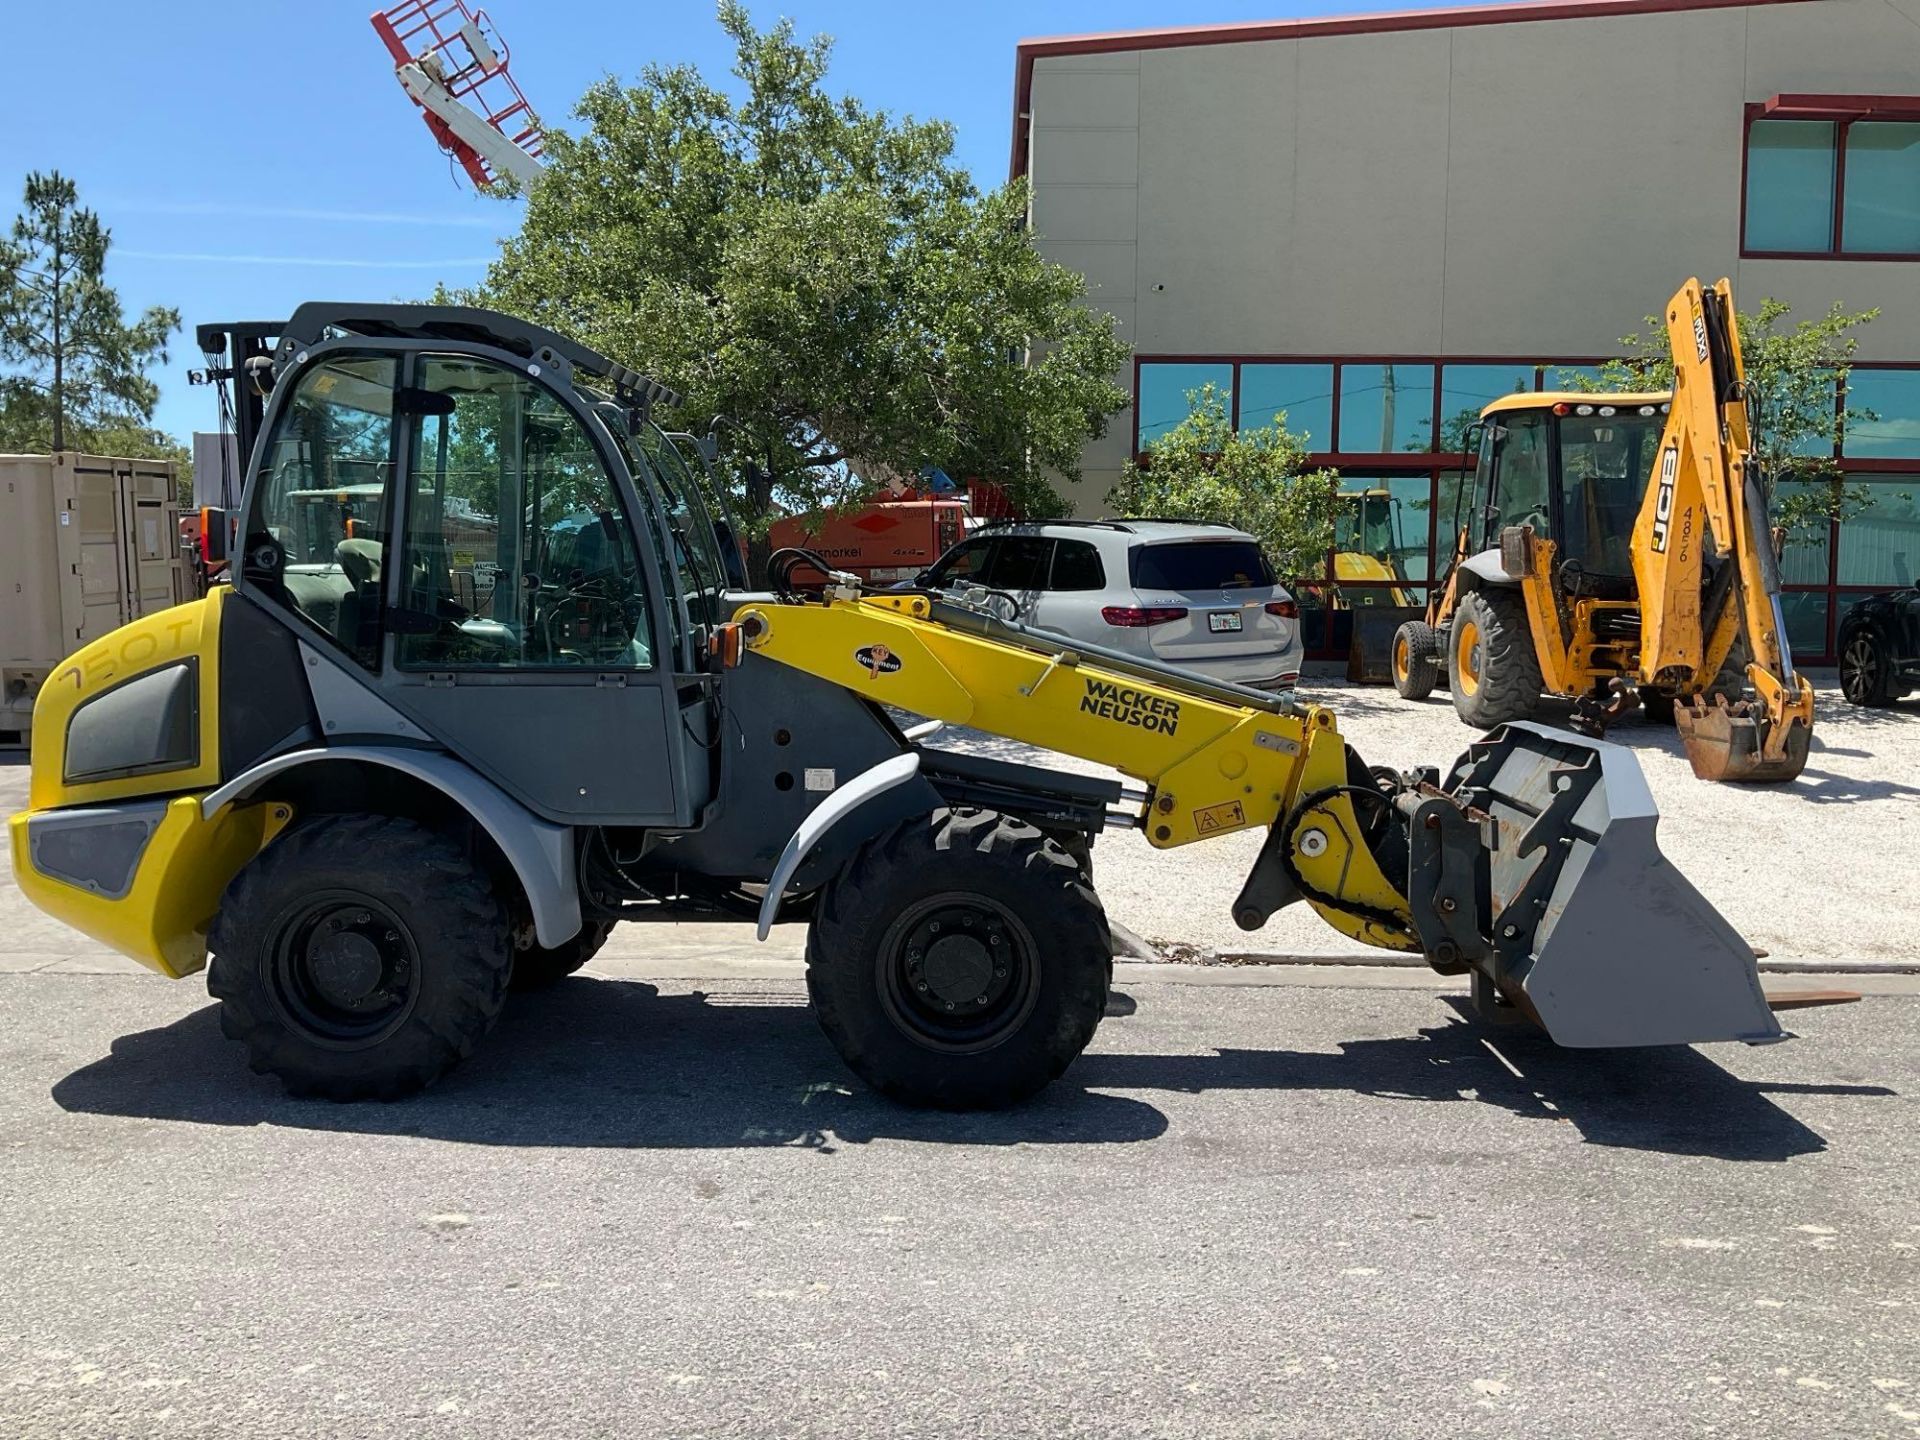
1594,931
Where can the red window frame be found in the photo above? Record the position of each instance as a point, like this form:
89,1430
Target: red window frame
1843,110
1434,464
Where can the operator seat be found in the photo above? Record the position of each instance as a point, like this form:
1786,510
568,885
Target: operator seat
360,562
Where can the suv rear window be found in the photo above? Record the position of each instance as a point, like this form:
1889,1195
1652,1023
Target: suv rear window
1199,565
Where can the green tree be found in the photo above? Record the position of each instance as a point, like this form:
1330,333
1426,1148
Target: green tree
76,367
1795,375
1203,469
822,273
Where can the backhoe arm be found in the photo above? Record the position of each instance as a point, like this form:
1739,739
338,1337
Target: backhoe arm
1705,564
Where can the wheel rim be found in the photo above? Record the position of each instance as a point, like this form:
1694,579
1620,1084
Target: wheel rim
1467,648
1859,669
958,973
1401,665
343,969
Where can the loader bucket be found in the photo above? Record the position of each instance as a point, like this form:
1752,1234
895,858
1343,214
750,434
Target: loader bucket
1728,741
1593,931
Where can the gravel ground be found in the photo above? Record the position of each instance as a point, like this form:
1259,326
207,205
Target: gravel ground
1821,869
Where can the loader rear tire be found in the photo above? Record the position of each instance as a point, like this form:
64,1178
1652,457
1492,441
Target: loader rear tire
959,961
1416,660
1492,669
538,966
359,957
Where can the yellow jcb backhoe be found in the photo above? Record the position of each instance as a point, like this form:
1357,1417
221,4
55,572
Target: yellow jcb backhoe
1614,547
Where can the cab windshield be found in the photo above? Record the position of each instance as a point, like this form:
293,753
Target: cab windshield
1605,463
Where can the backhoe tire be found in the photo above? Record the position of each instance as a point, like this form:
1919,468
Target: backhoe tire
1491,665
960,961
359,957
1658,705
538,966
1416,660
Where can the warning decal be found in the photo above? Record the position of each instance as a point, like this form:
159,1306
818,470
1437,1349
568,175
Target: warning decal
1216,818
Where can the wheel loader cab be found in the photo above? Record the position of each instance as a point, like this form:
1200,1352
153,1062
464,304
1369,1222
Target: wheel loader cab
477,546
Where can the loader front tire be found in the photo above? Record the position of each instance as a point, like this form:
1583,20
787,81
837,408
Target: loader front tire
1416,660
359,957
1492,669
959,961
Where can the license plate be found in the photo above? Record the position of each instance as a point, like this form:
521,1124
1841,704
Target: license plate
1221,622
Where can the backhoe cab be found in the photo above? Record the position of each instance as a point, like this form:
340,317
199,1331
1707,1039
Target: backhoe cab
486,682
1614,549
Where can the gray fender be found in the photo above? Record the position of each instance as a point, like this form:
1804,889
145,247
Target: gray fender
541,854
835,808
1486,568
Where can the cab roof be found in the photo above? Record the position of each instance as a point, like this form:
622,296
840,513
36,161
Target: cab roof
1541,400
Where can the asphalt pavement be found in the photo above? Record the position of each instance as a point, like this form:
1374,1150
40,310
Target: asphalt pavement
1310,1206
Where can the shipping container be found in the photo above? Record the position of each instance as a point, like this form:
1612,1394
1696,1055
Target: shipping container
87,543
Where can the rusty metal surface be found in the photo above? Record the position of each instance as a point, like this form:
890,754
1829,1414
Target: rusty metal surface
1809,999
1728,742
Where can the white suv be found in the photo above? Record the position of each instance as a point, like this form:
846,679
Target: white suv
1201,596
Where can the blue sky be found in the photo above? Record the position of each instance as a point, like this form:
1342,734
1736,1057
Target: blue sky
251,156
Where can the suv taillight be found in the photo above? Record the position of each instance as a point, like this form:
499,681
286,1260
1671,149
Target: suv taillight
1285,609
1134,617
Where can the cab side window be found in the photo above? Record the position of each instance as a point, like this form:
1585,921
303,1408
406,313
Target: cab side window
519,551
323,497
1520,479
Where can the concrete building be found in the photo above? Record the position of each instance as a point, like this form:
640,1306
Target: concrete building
1378,223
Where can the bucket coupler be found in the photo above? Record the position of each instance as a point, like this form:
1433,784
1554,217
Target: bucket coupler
1536,866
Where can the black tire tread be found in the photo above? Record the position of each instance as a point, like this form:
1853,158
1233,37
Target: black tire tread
1423,660
469,923
1076,956
1510,680
1884,692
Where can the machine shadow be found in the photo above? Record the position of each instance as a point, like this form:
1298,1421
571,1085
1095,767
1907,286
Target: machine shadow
598,1063
614,1064
1672,1100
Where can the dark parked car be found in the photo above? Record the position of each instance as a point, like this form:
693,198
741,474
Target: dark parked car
1880,647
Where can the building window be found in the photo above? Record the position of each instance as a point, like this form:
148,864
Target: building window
1807,614
1386,408
1790,170
1466,390
1881,212
1892,399
1832,186
1401,505
1880,546
1803,561
1166,394
1301,395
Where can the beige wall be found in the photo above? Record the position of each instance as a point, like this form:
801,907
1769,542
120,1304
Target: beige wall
1524,189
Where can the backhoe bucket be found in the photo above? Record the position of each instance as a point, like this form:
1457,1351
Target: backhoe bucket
1728,741
1592,931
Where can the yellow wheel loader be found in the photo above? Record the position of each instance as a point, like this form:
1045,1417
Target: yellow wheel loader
436,746
1614,549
